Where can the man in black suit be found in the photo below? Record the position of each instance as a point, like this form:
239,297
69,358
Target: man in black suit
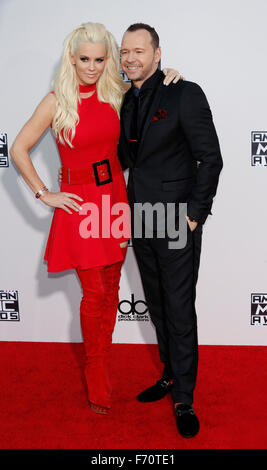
169,143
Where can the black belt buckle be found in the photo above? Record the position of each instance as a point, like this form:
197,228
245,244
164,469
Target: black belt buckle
107,171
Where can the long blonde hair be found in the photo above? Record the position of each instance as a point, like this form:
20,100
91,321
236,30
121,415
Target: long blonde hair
109,85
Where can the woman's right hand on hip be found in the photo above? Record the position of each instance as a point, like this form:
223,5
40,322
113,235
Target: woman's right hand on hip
62,200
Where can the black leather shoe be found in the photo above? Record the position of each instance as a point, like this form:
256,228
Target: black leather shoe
186,420
156,392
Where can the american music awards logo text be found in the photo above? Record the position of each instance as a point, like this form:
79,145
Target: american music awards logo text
259,148
258,309
9,305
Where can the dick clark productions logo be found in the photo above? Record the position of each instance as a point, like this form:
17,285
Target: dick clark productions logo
130,310
258,309
259,148
9,305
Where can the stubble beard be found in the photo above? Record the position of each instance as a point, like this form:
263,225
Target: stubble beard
142,77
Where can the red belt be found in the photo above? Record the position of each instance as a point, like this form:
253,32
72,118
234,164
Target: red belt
98,172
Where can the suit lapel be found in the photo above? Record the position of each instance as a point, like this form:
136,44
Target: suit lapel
127,113
151,112
126,120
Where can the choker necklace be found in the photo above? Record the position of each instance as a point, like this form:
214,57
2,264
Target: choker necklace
87,88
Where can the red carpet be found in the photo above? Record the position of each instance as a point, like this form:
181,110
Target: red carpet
43,400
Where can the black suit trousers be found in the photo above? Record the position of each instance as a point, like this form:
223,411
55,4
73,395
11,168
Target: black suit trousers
169,278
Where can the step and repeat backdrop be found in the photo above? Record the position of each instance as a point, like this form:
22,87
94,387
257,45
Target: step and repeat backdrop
222,47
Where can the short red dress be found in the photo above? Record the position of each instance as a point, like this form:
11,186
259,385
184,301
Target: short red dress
73,242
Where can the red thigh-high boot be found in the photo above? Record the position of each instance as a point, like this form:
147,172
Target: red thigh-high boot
112,283
91,309
98,315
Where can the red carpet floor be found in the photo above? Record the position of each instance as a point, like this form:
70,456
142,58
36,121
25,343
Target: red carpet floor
43,400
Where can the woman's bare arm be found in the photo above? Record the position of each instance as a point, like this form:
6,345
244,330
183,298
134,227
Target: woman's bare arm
25,140
171,75
28,137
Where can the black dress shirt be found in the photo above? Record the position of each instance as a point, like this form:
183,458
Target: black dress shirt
143,98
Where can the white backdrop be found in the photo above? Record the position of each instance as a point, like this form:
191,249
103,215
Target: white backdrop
221,46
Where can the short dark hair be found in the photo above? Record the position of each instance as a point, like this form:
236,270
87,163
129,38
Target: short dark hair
153,33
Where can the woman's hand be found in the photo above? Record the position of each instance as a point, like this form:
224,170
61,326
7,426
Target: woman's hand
61,200
171,76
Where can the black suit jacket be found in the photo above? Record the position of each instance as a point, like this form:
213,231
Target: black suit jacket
178,157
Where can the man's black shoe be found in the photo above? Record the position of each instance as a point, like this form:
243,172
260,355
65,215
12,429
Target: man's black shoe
186,420
156,392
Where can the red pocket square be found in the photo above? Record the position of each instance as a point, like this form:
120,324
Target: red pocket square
160,114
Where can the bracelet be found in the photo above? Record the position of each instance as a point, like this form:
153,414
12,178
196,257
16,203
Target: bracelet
40,192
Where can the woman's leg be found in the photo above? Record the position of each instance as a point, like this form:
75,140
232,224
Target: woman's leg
91,315
111,301
98,315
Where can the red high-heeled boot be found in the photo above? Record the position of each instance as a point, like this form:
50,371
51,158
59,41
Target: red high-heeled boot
112,285
98,314
91,312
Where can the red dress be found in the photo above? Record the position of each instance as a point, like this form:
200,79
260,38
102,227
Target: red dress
95,139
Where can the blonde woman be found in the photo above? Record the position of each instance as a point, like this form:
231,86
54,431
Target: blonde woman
83,112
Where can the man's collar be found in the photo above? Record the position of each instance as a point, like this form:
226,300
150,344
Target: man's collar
150,82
